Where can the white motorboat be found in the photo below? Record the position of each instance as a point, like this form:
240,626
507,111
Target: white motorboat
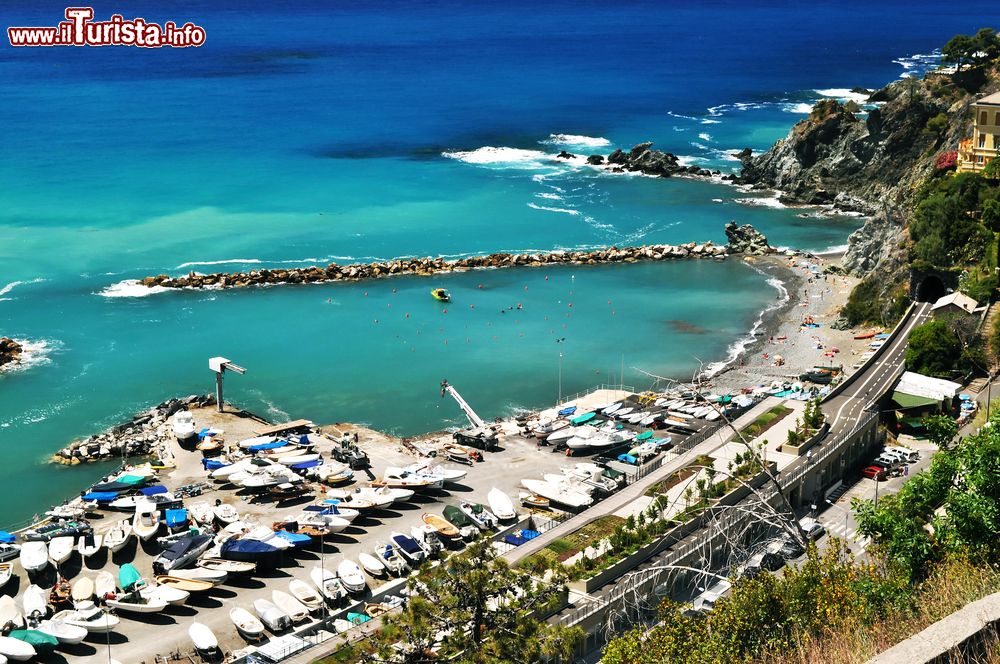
118,536
426,536
201,512
61,548
71,511
63,631
371,564
328,583
160,592
215,577
337,508
545,428
295,609
275,619
300,456
566,433
146,521
223,473
623,412
92,618
6,572
569,481
205,643
265,534
34,556
135,603
35,601
676,414
104,584
329,522
408,548
449,475
557,493
400,478
10,616
182,552
479,515
16,649
301,591
393,494
714,415
258,440
247,624
89,545
225,513
390,558
351,576
228,566
501,504
648,421
613,408
184,427
635,418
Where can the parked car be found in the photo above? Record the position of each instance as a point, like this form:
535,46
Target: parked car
706,601
912,456
877,473
764,560
895,455
813,529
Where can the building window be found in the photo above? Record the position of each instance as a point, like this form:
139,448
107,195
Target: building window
982,118
982,140
998,118
979,159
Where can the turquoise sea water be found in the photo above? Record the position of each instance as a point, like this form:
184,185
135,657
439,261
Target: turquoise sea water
301,133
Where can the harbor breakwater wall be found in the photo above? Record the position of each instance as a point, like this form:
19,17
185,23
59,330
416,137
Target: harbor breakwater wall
742,240
137,437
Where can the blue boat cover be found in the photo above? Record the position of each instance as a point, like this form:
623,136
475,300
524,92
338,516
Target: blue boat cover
101,496
260,447
6,538
627,458
295,538
203,433
307,464
407,544
176,518
183,545
153,490
212,464
329,509
569,410
246,546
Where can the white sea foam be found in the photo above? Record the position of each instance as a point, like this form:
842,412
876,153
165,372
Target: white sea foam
573,139
689,160
770,202
595,224
14,284
834,249
551,197
34,352
131,288
844,94
553,209
678,115
711,121
918,64
705,136
221,262
801,107
508,157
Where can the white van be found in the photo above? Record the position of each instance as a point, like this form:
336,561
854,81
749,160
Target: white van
912,456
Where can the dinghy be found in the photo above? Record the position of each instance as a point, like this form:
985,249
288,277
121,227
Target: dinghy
187,585
104,584
295,609
146,522
613,408
43,643
547,427
351,576
61,548
388,556
205,643
501,505
440,525
371,564
16,649
275,619
301,591
382,493
168,594
82,590
119,535
481,517
182,553
228,566
400,478
90,617
533,500
328,584
35,602
90,544
201,513
247,624
449,475
62,631
34,556
133,602
225,513
215,577
10,616
184,428
557,493
6,572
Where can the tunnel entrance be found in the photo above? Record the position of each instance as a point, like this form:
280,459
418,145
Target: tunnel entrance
930,289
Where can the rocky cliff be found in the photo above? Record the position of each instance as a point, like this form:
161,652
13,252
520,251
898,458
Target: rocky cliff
871,162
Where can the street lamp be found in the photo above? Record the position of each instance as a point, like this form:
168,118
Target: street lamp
560,377
847,513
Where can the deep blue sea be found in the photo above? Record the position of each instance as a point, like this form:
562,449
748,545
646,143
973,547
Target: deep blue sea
309,132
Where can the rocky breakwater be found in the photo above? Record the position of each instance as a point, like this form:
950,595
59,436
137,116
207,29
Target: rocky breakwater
10,352
430,266
747,240
140,436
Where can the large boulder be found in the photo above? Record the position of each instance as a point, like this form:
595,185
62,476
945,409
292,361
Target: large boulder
10,351
747,240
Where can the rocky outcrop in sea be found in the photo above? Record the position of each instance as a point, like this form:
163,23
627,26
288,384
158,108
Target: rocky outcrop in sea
643,159
10,352
140,436
747,240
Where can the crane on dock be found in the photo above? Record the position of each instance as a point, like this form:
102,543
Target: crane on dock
479,434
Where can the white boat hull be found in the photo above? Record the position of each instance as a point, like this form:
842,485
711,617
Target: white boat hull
557,494
501,504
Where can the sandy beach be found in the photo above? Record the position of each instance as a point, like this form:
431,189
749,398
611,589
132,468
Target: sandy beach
811,296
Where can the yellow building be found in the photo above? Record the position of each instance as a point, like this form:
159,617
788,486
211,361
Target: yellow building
974,153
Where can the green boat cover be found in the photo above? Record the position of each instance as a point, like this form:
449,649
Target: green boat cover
34,637
645,435
457,517
583,419
131,479
128,576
